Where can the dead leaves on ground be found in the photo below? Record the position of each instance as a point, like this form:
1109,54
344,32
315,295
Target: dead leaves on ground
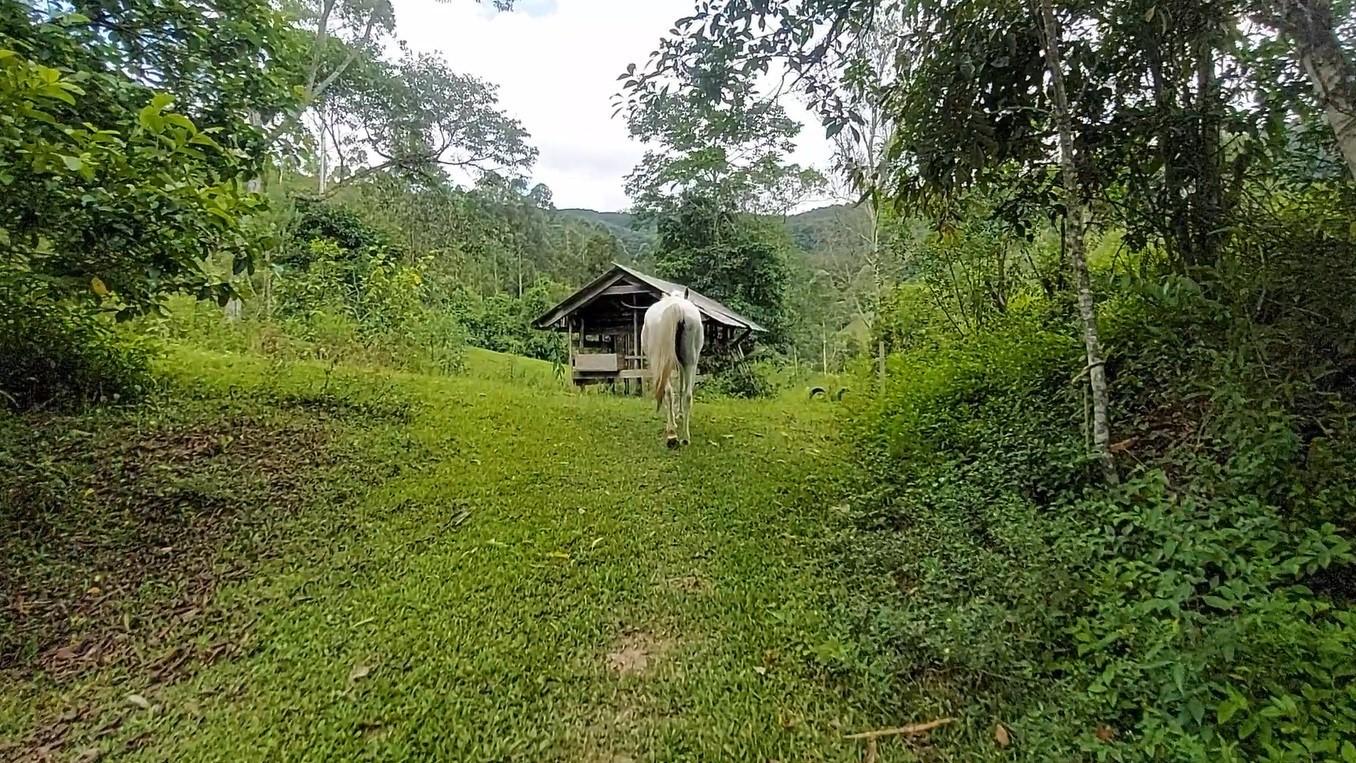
358,673
1001,737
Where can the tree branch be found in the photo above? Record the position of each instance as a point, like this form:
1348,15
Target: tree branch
318,90
321,36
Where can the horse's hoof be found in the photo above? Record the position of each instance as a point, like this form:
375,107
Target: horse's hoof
672,442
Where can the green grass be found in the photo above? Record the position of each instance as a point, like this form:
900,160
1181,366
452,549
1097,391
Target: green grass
490,570
488,365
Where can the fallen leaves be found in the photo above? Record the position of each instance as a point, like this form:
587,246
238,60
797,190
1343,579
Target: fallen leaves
358,673
1001,737
1105,733
139,701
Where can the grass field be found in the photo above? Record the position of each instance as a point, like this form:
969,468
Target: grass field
280,562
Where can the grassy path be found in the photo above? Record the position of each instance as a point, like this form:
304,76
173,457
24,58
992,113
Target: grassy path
541,581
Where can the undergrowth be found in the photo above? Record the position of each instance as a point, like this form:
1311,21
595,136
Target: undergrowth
1200,610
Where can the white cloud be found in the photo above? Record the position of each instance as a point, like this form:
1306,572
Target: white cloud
556,63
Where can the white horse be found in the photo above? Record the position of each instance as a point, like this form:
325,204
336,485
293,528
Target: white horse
673,336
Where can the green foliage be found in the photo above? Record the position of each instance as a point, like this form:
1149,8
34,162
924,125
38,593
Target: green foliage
503,323
731,151
1195,612
414,118
340,293
636,238
338,225
56,353
117,194
367,303
1202,635
133,206
740,379
735,258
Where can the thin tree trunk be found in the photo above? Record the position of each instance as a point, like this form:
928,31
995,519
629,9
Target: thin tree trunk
823,347
1309,24
1171,153
234,309
1210,196
1075,216
324,165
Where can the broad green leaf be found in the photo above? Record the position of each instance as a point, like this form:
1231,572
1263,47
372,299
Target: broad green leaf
150,120
1230,707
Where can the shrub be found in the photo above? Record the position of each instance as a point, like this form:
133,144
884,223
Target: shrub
503,323
1195,612
747,379
60,353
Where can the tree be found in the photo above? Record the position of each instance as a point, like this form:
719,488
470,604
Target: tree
1078,257
113,194
735,258
1312,28
345,31
970,110
731,153
419,118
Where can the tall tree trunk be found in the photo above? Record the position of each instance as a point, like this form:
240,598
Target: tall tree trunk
1171,152
1209,200
324,169
1076,219
1309,25
234,309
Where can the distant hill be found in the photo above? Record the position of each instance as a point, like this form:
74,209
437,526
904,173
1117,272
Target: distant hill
815,230
618,224
827,228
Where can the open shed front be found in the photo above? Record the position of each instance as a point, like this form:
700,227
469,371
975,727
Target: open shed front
603,320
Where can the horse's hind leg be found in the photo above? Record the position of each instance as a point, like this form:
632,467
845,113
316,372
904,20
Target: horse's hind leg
670,426
689,374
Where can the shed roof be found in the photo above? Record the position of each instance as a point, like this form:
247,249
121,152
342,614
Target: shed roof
709,308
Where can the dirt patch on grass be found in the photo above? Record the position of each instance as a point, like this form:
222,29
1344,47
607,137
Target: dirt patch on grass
636,652
116,531
690,584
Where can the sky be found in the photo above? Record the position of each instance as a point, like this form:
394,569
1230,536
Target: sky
556,63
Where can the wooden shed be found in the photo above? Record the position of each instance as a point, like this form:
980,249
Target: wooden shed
603,321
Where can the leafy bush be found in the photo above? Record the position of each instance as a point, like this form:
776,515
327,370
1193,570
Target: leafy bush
109,188
752,379
503,323
970,518
60,353
342,231
1190,613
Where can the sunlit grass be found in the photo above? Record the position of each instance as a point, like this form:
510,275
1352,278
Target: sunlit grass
538,578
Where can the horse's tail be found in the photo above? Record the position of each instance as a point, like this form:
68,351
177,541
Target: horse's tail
661,348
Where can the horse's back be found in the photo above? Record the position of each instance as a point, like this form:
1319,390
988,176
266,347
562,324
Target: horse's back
688,333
